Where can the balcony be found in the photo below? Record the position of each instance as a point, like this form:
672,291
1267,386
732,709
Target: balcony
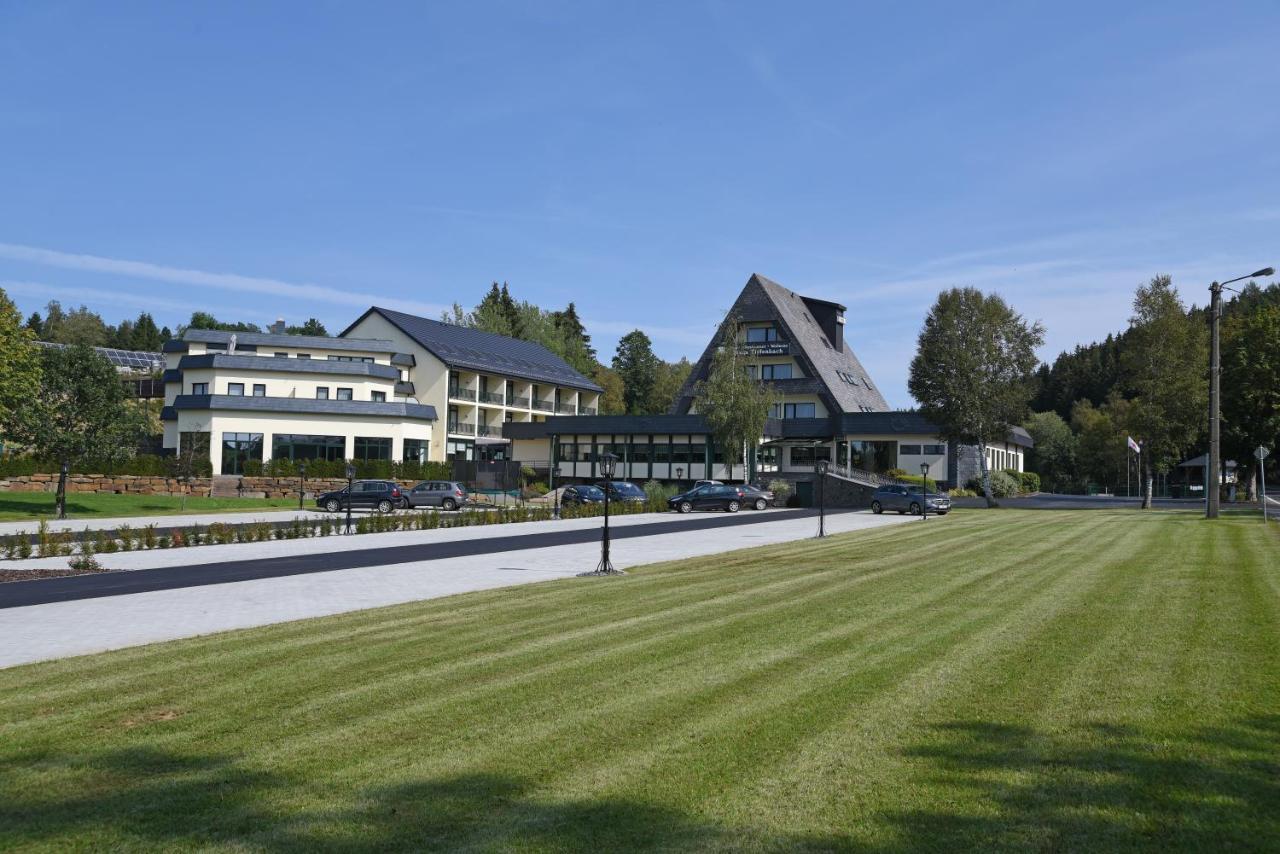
489,430
459,393
587,410
544,405
492,397
520,402
464,428
566,409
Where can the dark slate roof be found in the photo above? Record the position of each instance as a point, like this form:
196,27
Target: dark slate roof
298,366
845,382
871,423
304,405
474,350
266,339
626,425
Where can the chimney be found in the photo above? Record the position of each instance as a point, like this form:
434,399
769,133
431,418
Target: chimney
830,319
277,328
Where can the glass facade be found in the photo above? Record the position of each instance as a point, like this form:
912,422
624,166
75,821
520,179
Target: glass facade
873,456
416,450
294,446
807,456
238,449
372,448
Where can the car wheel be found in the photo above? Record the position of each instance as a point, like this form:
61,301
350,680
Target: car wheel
448,504
385,506
686,507
332,505
915,509
876,508
404,504
761,504
733,507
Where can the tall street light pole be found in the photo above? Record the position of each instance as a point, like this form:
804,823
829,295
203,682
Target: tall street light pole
608,465
1211,476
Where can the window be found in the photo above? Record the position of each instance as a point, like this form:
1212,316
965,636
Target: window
662,452
291,446
416,450
761,334
639,452
344,393
199,388
567,452
259,390
873,456
768,459
304,355
238,449
697,453
322,392
909,450
378,396
235,389
801,456
368,359
795,410
372,448
775,372
282,355
933,450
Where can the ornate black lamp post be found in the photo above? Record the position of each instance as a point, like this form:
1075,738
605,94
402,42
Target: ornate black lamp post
351,476
608,465
821,468
924,492
302,482
679,474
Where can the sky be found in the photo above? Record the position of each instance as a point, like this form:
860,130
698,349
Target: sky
642,160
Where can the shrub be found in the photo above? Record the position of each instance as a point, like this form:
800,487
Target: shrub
962,493
253,468
896,474
178,539
1028,481
1003,485
42,537
10,548
124,534
24,545
85,562
149,536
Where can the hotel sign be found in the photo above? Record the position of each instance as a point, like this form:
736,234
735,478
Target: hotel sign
765,348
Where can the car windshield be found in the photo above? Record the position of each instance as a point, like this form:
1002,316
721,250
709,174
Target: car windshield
624,488
590,491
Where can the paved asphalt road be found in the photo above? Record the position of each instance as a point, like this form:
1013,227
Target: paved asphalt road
48,590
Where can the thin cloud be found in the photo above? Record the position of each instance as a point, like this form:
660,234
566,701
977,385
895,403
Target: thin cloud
45,291
202,278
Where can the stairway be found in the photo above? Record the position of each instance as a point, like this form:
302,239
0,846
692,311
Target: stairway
225,486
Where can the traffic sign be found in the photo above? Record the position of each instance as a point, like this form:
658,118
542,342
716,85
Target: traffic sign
1260,453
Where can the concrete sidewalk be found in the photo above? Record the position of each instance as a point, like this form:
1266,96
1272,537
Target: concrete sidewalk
41,632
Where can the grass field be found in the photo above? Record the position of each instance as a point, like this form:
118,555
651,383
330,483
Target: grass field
1052,680
16,506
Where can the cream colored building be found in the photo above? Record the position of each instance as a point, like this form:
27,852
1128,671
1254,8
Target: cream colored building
479,381
240,397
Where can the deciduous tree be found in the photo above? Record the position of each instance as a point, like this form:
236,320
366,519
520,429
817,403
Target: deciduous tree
1054,454
1165,366
1251,385
734,405
311,327
973,368
19,364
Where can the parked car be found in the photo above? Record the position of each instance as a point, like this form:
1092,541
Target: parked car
909,499
584,494
757,496
623,490
445,494
718,497
381,495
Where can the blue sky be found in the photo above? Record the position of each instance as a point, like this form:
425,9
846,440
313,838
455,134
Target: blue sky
641,159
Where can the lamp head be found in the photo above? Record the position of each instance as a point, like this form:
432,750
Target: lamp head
351,471
608,465
821,466
924,469
1265,271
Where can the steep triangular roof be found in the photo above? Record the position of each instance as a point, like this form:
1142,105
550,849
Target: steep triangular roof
475,350
837,375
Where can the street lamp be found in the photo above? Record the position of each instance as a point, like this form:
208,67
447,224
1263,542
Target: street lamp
62,484
821,468
679,473
1211,476
924,492
351,476
302,482
608,465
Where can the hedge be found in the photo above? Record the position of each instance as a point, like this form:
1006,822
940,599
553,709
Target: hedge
142,465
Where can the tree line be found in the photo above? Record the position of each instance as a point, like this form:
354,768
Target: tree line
1150,382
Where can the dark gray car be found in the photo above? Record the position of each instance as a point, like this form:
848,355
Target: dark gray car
909,499
445,494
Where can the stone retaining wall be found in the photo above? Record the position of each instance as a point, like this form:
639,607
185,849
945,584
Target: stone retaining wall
248,487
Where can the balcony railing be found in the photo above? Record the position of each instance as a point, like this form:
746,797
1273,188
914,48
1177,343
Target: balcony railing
459,393
521,402
491,397
489,430
587,410
566,409
544,405
466,428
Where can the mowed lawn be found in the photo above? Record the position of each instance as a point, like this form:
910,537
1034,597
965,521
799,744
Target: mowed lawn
16,506
1052,680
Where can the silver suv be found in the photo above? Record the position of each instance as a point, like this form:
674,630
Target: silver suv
445,494
909,499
